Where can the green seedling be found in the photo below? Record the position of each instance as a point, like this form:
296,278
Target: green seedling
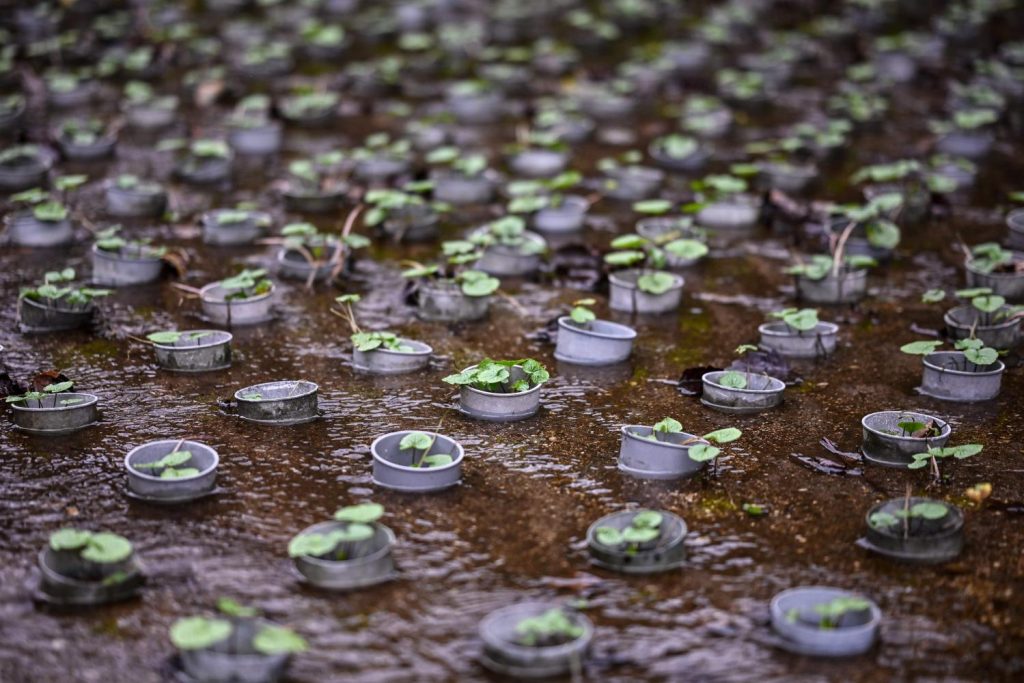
494,376
422,443
101,547
644,527
553,627
37,399
343,543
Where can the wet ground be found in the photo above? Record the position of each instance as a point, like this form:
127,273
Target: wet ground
514,529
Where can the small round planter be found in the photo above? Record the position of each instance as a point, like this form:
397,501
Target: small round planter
737,212
961,320
239,312
788,178
962,143
382,361
539,163
946,376
233,233
259,140
55,420
280,403
111,269
503,260
234,660
645,459
151,116
855,633
566,217
208,353
314,202
133,203
502,652
685,164
494,407
477,108
34,317
1008,285
914,540
414,223
154,489
883,445
789,343
459,189
381,168
292,265
632,183
761,393
25,230
207,171
29,172
99,149
661,229
848,288
1015,223
662,554
373,565
627,297
394,468
445,302
59,583
600,342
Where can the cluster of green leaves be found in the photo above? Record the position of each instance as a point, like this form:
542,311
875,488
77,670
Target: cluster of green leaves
44,207
737,380
50,294
81,132
133,183
389,341
171,466
385,202
819,266
200,633
930,510
872,215
101,547
830,613
50,390
315,174
532,195
494,375
698,452
932,454
900,169
339,544
634,250
989,257
581,313
508,231
110,240
303,104
420,441
247,284
378,145
552,627
240,216
141,94
469,165
459,252
19,155
171,337
644,527
799,319
981,298
974,350
720,186
252,111
676,146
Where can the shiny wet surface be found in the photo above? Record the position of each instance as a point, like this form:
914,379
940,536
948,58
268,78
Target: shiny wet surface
515,528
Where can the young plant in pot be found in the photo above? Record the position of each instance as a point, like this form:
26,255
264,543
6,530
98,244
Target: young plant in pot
665,451
825,622
799,334
85,139
79,568
903,177
648,288
234,227
416,462
67,89
129,196
682,242
264,60
731,391
53,411
893,438
507,248
39,220
24,166
585,340
381,158
475,102
987,317
317,184
403,216
307,254
973,372
452,293
535,640
146,109
998,269
705,116
192,351
287,402
12,108
872,234
723,202
832,279
118,262
352,551
57,305
540,154
969,133
552,212
203,161
237,645
309,107
251,129
638,541
460,178
500,390
677,153
171,471
625,179
380,352
243,299
914,530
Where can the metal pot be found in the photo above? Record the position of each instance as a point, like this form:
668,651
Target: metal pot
962,320
761,393
235,660
662,229
1009,285
370,568
292,265
600,342
240,312
455,188
946,377
790,343
381,361
736,212
923,541
25,230
393,468
848,287
626,296
128,203
632,183
502,260
155,489
111,269
856,634
58,419
539,163
567,217
503,654
883,445
233,234
281,403
35,317
663,459
258,140
664,553
445,302
63,590
494,407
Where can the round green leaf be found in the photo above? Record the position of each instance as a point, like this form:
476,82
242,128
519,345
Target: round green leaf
278,640
724,435
69,539
197,633
107,548
416,440
364,512
606,535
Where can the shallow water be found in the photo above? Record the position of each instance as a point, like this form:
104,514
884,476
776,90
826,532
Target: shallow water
515,528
